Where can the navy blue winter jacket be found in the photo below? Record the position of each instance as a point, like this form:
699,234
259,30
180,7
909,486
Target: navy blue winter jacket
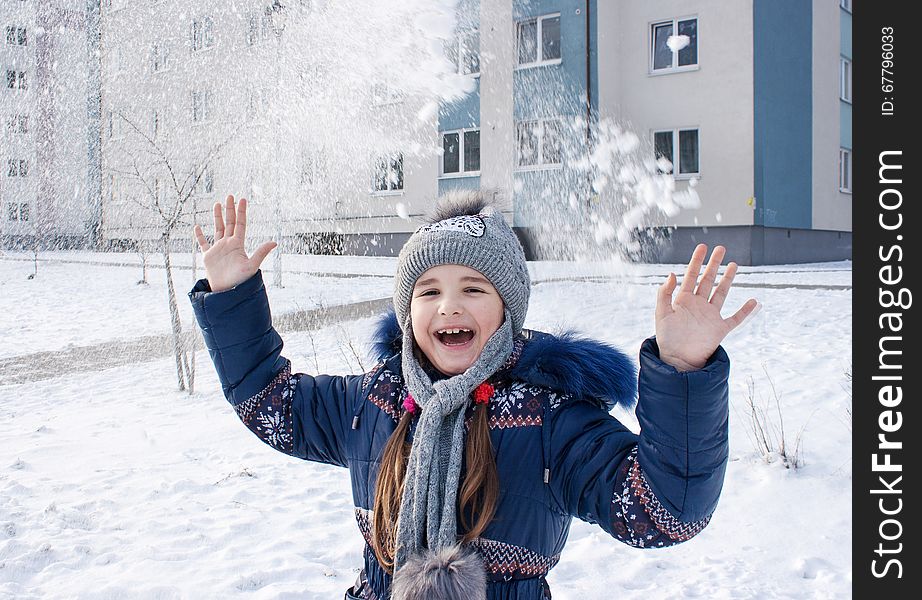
559,452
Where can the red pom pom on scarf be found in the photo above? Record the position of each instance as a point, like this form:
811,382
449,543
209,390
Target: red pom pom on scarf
483,393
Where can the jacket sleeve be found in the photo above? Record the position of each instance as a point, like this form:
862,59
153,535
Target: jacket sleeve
307,417
656,489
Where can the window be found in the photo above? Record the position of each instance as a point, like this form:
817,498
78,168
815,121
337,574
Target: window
382,94
845,79
258,27
845,170
464,52
205,183
461,152
17,167
539,41
201,106
389,174
160,57
17,211
846,4
538,143
314,169
114,125
665,149
16,36
202,33
17,124
16,80
257,101
674,44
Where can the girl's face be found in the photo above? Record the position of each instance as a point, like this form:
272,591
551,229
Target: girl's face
454,312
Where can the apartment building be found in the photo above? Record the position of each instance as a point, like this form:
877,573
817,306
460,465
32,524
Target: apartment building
753,111
46,194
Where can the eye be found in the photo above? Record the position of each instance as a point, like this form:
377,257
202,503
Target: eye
428,293
475,290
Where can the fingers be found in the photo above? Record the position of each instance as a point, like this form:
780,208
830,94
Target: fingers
200,238
260,254
218,222
664,297
746,312
694,267
710,273
241,229
231,220
723,288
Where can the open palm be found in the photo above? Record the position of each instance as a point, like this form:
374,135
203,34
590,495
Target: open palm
226,260
689,327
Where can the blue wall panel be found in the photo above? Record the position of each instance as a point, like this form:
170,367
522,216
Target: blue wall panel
782,112
556,91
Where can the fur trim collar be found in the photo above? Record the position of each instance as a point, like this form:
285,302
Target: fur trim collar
566,363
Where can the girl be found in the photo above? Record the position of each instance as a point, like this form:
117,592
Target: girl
474,441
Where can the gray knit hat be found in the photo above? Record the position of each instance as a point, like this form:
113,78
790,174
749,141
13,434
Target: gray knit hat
466,230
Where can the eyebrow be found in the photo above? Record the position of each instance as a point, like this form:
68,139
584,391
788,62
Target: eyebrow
469,278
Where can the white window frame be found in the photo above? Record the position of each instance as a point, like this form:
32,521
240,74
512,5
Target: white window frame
845,170
460,46
19,80
675,67
13,36
115,126
17,124
17,211
382,94
17,167
258,27
540,129
257,101
160,57
315,168
202,99
461,172
388,163
676,151
845,79
539,61
204,26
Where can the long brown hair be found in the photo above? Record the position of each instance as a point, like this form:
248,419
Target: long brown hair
478,495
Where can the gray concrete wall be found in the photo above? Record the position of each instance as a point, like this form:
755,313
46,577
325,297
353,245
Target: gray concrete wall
754,245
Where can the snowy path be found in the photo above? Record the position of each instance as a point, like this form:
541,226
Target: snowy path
46,365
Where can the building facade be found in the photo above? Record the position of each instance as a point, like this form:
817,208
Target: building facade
754,112
748,103
47,195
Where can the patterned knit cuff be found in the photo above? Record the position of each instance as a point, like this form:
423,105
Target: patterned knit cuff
268,413
638,517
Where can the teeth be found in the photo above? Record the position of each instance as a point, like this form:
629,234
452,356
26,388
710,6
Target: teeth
452,330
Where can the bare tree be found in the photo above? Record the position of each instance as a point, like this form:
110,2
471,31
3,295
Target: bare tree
148,163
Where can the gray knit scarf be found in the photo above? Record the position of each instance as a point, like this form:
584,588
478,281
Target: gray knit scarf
428,517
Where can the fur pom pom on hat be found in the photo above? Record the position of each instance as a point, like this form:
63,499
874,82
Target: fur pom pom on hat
448,574
466,230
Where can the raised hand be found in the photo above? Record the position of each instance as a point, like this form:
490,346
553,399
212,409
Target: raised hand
226,261
689,328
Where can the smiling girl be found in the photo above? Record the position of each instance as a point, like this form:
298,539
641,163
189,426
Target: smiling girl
474,441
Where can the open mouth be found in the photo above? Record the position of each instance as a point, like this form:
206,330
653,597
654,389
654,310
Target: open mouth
454,337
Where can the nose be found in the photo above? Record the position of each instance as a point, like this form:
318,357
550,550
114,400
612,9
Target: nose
449,306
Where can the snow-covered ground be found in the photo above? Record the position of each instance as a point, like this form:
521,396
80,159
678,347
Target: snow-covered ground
113,484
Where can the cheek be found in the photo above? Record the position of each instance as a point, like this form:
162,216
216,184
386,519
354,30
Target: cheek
420,322
492,316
